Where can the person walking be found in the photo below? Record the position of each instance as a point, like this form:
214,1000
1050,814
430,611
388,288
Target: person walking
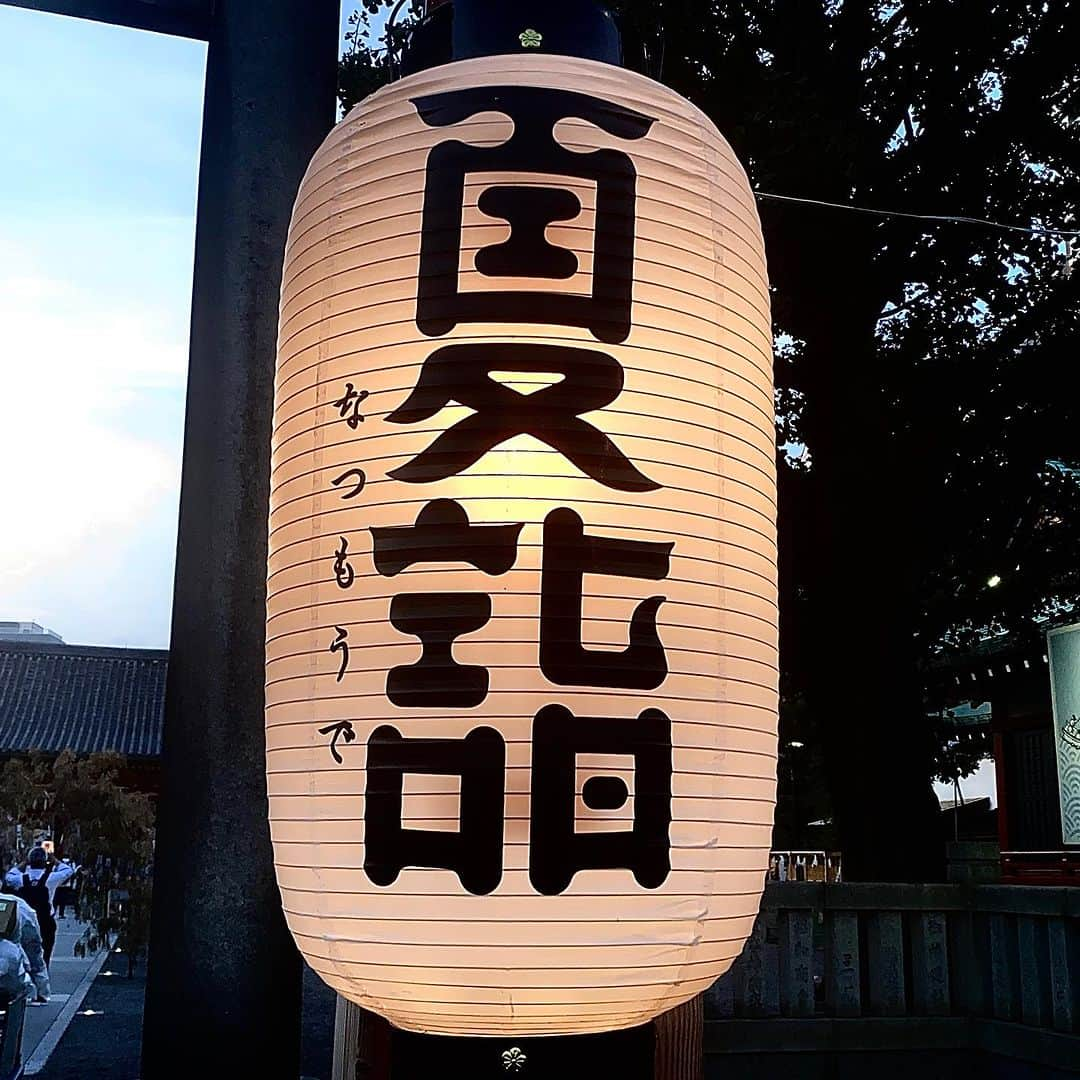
28,935
66,895
36,881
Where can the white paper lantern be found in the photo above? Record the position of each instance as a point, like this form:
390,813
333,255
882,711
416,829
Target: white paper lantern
521,640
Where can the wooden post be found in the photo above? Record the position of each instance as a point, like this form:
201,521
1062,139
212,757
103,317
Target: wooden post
843,991
930,964
758,988
885,953
1003,959
1064,1000
223,985
679,1042
797,963
1035,1004
348,1031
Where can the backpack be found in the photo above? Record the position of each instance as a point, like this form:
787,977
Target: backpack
36,894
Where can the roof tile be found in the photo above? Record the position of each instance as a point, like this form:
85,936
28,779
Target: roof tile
82,698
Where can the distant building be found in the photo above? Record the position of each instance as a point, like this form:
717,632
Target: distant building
56,697
1012,674
29,632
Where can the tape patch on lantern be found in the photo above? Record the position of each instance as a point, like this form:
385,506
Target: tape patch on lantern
521,632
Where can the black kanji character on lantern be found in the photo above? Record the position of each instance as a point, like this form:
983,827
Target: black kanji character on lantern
358,479
348,405
343,571
463,374
442,533
474,851
343,729
341,644
532,149
437,679
556,850
569,554
527,253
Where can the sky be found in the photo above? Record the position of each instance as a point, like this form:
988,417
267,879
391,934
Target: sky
99,145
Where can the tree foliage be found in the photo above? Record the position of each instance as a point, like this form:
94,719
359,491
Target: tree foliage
922,365
94,820
370,55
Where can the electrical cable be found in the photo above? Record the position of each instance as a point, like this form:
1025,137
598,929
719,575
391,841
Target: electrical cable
959,219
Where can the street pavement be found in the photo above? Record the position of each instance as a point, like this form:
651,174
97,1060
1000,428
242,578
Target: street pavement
71,977
92,1030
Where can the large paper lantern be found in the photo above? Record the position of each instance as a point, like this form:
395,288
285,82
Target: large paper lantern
521,644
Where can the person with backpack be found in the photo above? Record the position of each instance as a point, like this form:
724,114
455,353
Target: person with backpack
36,882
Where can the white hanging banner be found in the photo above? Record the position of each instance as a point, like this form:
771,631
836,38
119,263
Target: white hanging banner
1063,649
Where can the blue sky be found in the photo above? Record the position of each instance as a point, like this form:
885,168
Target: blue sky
99,130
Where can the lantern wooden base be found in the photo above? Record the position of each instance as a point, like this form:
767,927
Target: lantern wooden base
670,1048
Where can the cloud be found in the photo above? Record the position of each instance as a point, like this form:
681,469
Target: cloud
101,128
90,422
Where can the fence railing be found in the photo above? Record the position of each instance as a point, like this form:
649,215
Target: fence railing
850,966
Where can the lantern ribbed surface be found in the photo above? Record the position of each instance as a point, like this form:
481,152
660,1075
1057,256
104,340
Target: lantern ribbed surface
689,471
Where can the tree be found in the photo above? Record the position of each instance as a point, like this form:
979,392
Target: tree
919,363
917,374
95,821
369,60
920,366
23,791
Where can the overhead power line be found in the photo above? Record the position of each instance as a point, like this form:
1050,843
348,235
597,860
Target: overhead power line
958,219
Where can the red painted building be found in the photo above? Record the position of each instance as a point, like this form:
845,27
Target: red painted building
1015,678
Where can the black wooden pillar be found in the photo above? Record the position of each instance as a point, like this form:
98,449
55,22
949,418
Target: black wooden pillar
224,978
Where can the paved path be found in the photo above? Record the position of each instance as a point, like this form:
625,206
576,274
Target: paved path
104,1036
71,977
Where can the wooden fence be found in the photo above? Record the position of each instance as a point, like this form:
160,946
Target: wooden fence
837,968
869,982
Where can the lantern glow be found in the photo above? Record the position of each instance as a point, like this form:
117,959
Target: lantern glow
521,639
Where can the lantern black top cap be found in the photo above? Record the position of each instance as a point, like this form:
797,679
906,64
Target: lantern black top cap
465,29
